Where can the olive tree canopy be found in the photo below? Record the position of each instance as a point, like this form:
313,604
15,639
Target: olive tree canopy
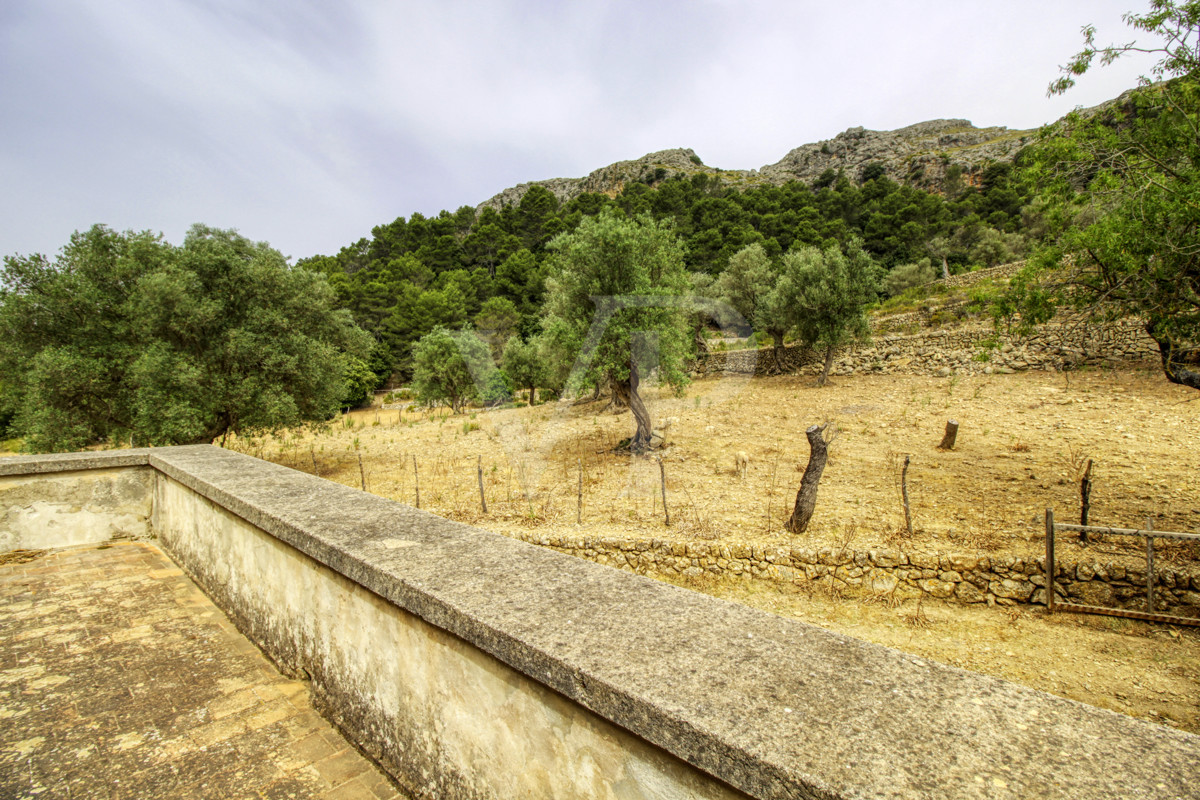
126,337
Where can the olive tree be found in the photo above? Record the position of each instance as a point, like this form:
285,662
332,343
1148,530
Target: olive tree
616,309
452,367
523,364
125,336
831,289
758,289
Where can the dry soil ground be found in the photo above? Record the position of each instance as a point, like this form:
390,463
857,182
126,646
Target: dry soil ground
1022,439
1021,443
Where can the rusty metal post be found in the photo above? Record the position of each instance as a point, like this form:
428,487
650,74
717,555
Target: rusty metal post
1049,561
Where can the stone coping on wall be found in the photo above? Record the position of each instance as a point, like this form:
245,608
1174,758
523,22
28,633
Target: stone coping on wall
70,462
775,707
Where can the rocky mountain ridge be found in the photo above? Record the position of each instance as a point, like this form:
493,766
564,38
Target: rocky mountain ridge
918,155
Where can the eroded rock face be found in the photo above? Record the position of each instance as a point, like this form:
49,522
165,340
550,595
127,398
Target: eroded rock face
650,168
918,155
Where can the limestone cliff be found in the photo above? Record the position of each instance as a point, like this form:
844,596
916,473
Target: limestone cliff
918,154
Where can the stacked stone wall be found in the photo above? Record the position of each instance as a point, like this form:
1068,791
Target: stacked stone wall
962,578
972,278
961,350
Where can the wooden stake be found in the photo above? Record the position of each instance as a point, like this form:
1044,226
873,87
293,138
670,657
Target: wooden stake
951,434
479,472
662,474
416,481
1049,561
904,495
312,451
1085,497
1149,568
361,473
579,501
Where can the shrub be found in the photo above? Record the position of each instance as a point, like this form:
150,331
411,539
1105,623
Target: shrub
908,276
497,390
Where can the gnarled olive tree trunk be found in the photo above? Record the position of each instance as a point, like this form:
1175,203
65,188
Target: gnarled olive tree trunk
776,349
626,392
828,363
1174,358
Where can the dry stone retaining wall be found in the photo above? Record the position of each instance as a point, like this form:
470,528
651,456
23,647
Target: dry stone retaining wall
1002,580
965,350
972,278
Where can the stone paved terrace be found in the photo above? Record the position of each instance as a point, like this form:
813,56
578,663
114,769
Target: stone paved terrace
120,679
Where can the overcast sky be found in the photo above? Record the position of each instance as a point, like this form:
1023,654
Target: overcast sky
306,123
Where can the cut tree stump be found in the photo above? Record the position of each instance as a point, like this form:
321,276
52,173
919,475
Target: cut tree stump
951,435
806,497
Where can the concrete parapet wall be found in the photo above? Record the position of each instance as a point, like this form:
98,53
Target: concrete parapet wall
63,509
446,718
474,665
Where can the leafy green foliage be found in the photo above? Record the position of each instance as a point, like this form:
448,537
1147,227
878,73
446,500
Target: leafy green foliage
8,410
906,276
451,367
125,336
359,381
523,364
496,322
832,290
616,308
498,389
1121,188
759,289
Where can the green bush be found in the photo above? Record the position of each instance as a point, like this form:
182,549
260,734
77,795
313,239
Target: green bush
908,276
360,382
498,389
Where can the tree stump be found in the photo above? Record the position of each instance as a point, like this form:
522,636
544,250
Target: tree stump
806,497
951,434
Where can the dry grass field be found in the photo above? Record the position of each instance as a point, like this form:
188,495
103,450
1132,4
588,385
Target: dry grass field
1021,443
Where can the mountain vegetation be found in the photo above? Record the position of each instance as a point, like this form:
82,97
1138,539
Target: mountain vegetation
416,274
1108,192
